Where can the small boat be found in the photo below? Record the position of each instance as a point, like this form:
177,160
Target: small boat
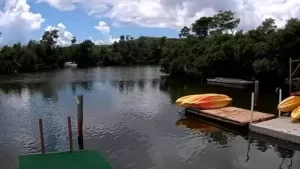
230,81
289,104
70,65
204,101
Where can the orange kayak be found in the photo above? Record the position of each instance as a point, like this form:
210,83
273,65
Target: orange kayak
289,104
181,99
204,101
295,114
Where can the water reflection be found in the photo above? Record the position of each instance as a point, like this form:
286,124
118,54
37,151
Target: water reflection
12,88
129,118
49,90
260,145
285,154
196,125
220,137
141,85
214,134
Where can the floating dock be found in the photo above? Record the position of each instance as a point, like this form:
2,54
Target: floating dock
280,128
230,82
65,160
232,115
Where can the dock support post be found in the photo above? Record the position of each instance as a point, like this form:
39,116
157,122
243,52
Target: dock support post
70,133
280,98
290,76
252,106
256,91
42,136
80,120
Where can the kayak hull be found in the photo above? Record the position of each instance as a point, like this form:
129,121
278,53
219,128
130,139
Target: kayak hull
204,101
180,100
289,104
296,114
212,105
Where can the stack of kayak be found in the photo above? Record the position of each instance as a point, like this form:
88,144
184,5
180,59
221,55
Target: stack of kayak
204,101
291,104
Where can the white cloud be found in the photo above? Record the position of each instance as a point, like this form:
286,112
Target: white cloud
111,40
105,29
17,22
102,26
96,42
178,13
116,24
65,36
63,5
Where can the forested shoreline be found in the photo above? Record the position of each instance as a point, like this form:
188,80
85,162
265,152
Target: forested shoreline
210,47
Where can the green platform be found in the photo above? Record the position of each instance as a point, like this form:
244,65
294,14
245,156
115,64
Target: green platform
65,160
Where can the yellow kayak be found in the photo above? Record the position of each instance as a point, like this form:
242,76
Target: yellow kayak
190,98
296,114
289,104
204,101
181,99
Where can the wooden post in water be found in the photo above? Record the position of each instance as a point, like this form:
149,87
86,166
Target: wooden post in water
70,133
42,136
280,98
256,91
290,76
252,106
80,120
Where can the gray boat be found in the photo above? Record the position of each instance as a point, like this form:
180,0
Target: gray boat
230,82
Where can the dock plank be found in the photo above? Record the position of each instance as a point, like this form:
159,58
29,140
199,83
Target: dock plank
65,160
233,115
280,128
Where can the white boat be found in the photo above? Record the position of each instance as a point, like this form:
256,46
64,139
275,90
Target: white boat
70,65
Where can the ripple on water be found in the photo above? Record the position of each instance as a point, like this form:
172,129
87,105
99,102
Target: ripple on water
128,116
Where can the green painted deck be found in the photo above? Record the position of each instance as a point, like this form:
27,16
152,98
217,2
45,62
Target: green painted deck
65,160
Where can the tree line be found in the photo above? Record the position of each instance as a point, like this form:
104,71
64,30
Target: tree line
46,55
211,46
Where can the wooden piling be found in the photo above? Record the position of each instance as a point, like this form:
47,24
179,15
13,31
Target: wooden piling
70,133
290,76
280,98
256,92
252,106
42,136
80,120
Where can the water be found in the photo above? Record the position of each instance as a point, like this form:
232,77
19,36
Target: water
129,116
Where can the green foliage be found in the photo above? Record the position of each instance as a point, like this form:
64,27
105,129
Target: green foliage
46,55
211,46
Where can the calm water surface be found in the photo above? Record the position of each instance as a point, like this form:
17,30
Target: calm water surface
129,116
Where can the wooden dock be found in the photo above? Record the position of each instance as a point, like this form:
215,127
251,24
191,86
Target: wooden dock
280,128
232,115
65,160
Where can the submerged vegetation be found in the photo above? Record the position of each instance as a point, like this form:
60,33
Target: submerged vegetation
211,46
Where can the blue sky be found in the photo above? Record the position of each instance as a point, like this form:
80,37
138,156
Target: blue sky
82,25
103,21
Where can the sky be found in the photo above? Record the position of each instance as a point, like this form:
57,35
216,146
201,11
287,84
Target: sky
103,21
